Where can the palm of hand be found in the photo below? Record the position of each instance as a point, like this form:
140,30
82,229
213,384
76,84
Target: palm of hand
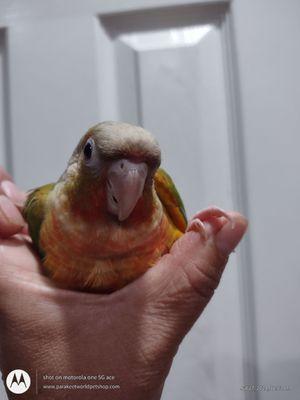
131,334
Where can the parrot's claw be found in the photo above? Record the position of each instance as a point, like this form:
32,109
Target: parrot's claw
196,223
198,226
214,212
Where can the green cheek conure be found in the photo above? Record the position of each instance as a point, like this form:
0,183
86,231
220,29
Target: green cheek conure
112,214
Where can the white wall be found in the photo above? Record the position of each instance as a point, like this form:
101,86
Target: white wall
267,36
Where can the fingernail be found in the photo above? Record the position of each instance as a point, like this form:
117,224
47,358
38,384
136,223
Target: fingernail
230,235
11,191
10,212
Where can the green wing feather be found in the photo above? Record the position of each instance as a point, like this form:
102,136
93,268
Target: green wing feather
34,211
170,198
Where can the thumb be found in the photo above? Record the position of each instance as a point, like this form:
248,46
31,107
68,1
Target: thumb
183,281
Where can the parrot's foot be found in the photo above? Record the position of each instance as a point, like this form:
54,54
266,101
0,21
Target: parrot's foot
197,222
198,226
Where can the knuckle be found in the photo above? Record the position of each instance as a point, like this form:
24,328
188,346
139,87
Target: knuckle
200,280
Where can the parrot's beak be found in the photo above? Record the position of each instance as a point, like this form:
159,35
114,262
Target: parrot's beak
125,185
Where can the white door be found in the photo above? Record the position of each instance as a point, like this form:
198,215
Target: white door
215,82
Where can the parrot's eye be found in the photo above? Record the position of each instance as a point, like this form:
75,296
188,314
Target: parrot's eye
90,155
88,149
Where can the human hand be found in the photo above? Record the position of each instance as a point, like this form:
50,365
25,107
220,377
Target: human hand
131,334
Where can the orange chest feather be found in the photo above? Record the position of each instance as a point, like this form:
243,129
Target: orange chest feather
103,258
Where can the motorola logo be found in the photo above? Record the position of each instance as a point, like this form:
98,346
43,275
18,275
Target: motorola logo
18,381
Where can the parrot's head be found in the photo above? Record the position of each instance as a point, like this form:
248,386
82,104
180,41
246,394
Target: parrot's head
112,169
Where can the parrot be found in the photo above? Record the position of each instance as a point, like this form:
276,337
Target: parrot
112,214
